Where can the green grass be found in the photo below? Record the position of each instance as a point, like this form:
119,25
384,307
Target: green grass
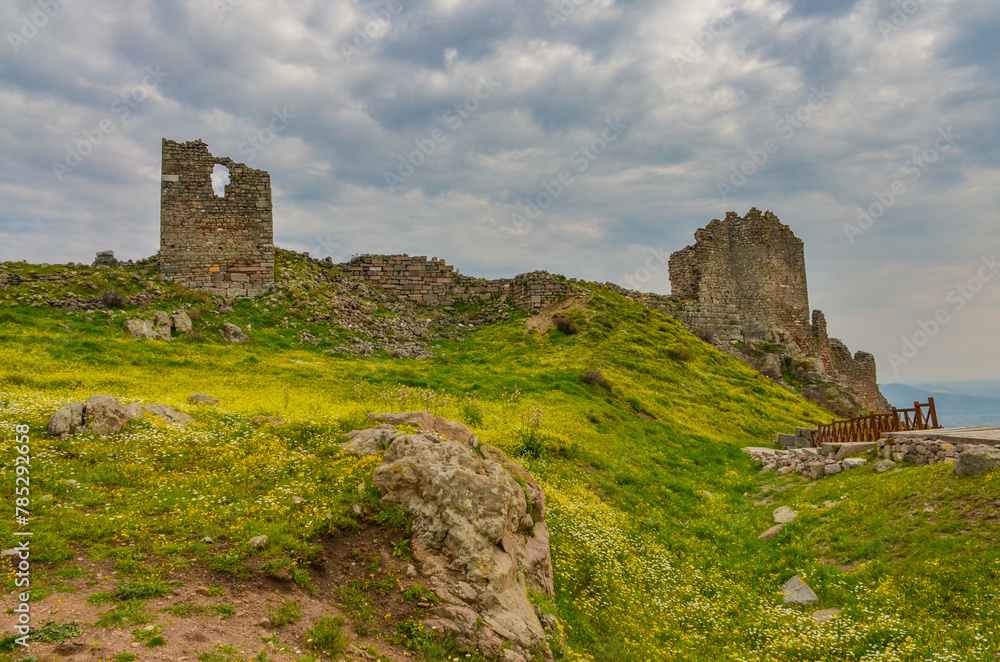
647,565
289,611
326,636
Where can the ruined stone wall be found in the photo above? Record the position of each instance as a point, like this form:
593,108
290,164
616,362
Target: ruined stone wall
859,373
222,245
745,279
433,282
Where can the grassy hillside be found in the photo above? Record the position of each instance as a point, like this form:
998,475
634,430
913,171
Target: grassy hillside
632,426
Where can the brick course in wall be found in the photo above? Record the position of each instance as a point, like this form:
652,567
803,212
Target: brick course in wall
433,282
222,245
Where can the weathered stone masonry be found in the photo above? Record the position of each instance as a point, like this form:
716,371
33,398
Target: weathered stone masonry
745,278
744,281
223,245
432,282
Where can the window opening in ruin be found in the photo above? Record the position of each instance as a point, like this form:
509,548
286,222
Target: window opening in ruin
220,180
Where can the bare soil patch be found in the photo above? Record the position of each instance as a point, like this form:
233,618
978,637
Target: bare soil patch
359,578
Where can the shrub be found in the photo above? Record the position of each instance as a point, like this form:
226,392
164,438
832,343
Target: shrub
420,593
141,589
681,353
112,299
595,378
326,636
57,633
564,325
289,612
530,438
472,413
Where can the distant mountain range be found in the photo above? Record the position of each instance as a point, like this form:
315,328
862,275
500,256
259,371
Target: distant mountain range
957,403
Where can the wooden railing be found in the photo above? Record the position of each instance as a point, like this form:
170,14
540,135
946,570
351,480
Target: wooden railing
870,428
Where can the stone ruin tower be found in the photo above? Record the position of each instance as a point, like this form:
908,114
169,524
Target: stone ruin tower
748,279
744,280
220,244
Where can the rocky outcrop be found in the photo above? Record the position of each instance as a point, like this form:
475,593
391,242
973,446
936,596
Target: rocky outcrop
161,327
233,333
104,416
168,414
66,421
977,460
479,532
101,414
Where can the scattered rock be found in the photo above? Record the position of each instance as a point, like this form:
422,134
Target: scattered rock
370,441
258,541
797,592
784,515
258,421
104,415
207,540
264,623
46,497
824,615
202,590
66,421
168,413
832,468
882,466
854,462
161,322
202,399
181,322
977,460
233,333
469,542
770,533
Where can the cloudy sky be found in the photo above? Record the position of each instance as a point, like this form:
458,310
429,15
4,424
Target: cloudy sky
441,128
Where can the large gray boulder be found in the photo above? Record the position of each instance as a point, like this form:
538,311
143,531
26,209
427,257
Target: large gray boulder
161,322
233,333
141,329
977,460
181,322
133,411
104,415
66,421
479,539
